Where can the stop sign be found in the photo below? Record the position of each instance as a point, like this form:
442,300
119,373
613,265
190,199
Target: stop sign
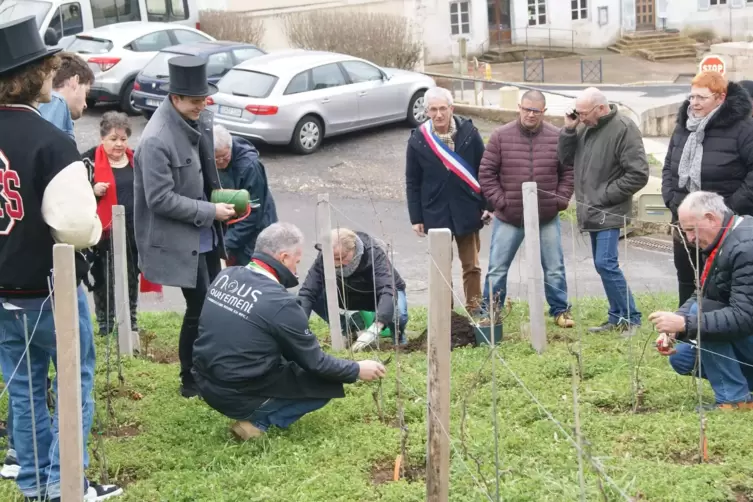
712,63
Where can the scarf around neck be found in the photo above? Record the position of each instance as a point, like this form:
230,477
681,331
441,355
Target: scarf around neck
350,268
103,174
689,170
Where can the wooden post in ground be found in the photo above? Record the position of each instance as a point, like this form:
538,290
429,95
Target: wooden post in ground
69,374
127,340
438,373
324,222
533,263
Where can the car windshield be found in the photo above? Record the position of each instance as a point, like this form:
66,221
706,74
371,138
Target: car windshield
88,45
158,67
251,84
12,11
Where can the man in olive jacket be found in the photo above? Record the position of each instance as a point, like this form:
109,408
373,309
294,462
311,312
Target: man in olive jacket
610,167
256,360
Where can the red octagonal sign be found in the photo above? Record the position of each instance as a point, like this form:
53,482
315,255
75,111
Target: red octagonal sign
712,63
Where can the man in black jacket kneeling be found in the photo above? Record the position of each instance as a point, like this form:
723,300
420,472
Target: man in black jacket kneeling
725,316
255,359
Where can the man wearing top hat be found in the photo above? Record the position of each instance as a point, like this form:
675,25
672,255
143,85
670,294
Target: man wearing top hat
47,199
179,233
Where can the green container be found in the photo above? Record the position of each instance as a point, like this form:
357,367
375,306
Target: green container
368,320
484,334
240,199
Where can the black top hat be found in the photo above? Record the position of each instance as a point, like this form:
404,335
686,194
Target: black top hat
21,44
188,77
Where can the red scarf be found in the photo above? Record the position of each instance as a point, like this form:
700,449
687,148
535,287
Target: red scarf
712,255
103,174
267,268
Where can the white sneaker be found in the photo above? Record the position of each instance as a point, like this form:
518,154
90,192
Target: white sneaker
10,467
101,492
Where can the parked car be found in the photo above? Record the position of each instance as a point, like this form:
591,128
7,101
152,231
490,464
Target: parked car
300,97
60,20
221,57
118,52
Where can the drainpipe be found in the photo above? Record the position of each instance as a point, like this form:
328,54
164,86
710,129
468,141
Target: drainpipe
619,18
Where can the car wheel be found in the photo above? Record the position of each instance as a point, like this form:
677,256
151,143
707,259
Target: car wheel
417,110
308,135
126,103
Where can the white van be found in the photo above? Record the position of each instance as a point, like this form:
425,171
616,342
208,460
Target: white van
60,20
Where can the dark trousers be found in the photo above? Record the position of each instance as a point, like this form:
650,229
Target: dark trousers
684,265
209,267
103,272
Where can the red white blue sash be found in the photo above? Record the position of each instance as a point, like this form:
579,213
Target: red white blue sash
450,159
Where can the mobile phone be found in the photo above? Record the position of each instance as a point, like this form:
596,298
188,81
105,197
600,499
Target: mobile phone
572,115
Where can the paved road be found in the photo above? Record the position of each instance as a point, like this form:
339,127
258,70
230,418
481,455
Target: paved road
361,172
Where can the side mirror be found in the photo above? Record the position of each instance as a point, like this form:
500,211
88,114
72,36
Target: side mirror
51,37
385,77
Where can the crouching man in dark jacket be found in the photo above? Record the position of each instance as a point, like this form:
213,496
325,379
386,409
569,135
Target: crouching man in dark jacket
239,168
366,280
726,314
255,359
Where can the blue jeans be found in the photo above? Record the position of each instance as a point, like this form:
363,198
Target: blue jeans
42,350
604,244
283,412
320,309
506,240
731,381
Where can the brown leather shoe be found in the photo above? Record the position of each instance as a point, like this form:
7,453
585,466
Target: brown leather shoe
564,320
243,431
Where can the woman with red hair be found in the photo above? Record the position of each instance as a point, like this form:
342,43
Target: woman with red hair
712,150
113,185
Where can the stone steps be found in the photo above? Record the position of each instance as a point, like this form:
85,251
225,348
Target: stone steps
655,45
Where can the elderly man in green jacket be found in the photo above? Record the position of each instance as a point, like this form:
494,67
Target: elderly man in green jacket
606,150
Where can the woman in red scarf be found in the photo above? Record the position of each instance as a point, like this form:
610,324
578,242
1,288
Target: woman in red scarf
113,185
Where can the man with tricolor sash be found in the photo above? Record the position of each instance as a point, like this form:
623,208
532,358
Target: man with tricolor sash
441,178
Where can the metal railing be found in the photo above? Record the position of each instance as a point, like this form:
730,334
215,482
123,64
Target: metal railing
531,37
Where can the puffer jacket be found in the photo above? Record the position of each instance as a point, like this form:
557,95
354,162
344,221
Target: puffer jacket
727,165
726,311
515,155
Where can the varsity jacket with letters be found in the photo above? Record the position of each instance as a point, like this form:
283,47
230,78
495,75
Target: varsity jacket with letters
47,199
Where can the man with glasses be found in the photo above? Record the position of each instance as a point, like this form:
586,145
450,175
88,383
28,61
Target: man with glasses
521,151
441,179
606,150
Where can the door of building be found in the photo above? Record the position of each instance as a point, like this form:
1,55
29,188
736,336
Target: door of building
645,14
500,29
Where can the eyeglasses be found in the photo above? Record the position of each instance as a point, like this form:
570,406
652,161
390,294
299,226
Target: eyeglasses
583,114
700,97
532,111
434,110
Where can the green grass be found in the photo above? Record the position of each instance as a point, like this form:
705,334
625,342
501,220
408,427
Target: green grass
177,450
653,161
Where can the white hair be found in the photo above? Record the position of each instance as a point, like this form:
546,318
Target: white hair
437,93
222,138
700,203
278,238
594,96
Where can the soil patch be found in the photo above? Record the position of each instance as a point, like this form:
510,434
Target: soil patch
123,431
163,355
691,457
462,334
384,472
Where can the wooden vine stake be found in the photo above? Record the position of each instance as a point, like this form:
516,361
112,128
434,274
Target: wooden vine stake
438,378
128,341
71,432
533,263
324,223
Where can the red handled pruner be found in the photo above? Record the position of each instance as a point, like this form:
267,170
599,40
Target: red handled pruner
251,206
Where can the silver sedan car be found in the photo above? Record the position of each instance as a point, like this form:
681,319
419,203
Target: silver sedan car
300,97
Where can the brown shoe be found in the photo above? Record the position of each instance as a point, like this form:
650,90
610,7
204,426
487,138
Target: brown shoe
564,320
243,431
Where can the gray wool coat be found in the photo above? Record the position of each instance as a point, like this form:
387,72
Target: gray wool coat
173,168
